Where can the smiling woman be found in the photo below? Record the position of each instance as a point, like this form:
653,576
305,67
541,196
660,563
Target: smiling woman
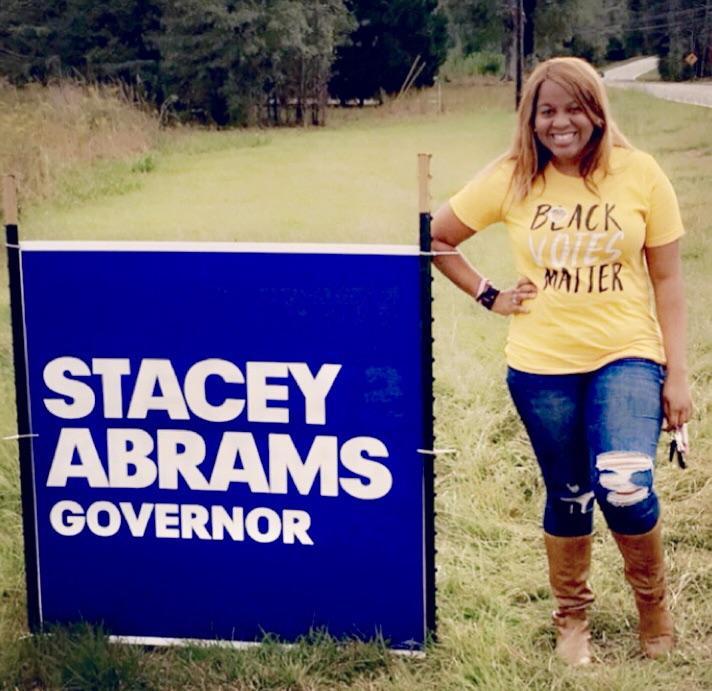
594,366
562,126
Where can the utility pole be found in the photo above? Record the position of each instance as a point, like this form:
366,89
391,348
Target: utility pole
518,11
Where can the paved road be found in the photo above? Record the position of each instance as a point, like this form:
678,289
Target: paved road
624,77
631,70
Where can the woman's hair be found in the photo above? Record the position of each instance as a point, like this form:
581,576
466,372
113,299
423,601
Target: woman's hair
530,156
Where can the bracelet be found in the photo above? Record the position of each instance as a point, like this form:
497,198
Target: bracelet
488,296
484,283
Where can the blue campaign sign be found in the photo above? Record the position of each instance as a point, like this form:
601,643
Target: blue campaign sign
225,439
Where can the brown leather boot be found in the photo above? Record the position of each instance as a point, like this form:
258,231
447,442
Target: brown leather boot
645,571
569,566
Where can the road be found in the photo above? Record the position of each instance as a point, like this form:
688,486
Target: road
625,76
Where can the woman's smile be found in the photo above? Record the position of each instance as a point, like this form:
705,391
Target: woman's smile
563,138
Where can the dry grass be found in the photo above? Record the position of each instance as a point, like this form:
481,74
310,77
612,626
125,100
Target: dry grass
47,131
466,95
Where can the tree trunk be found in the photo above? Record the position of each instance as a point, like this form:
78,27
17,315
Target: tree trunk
509,48
529,46
706,42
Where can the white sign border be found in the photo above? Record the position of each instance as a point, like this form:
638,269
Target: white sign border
254,247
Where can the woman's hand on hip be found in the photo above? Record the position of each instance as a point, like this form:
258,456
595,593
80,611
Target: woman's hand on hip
511,301
677,401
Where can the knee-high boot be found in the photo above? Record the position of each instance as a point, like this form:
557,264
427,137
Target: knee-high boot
569,567
645,571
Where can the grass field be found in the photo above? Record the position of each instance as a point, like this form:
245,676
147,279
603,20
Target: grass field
356,182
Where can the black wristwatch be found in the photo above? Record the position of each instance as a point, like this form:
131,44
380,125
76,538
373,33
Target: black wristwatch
487,297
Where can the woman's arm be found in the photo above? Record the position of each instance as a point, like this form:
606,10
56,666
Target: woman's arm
448,231
665,268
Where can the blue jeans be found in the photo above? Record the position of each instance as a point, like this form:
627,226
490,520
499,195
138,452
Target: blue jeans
595,436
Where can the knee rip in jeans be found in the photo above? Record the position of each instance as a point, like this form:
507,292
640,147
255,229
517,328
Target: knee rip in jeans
627,475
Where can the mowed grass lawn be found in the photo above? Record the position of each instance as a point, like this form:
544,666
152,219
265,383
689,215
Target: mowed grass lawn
355,181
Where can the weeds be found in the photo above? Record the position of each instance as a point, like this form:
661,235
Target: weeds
82,657
78,657
145,164
49,131
464,67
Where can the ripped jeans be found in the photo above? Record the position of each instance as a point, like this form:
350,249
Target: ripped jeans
595,435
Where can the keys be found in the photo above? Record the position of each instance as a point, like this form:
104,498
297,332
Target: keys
679,445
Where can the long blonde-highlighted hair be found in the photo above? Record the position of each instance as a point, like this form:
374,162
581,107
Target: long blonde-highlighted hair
530,156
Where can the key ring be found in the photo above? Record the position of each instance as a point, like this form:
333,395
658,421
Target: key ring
679,445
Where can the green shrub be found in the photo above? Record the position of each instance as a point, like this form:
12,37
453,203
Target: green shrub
458,66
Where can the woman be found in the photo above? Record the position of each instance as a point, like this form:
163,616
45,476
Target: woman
592,370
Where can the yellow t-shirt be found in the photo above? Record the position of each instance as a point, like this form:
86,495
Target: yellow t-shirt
584,252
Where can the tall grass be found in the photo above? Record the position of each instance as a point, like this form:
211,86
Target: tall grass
460,67
45,132
355,182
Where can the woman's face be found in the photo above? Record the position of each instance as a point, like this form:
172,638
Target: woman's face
560,123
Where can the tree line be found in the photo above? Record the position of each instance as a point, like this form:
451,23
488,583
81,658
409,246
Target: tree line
280,61
678,31
228,61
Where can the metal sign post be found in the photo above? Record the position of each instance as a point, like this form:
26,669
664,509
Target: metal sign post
24,439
